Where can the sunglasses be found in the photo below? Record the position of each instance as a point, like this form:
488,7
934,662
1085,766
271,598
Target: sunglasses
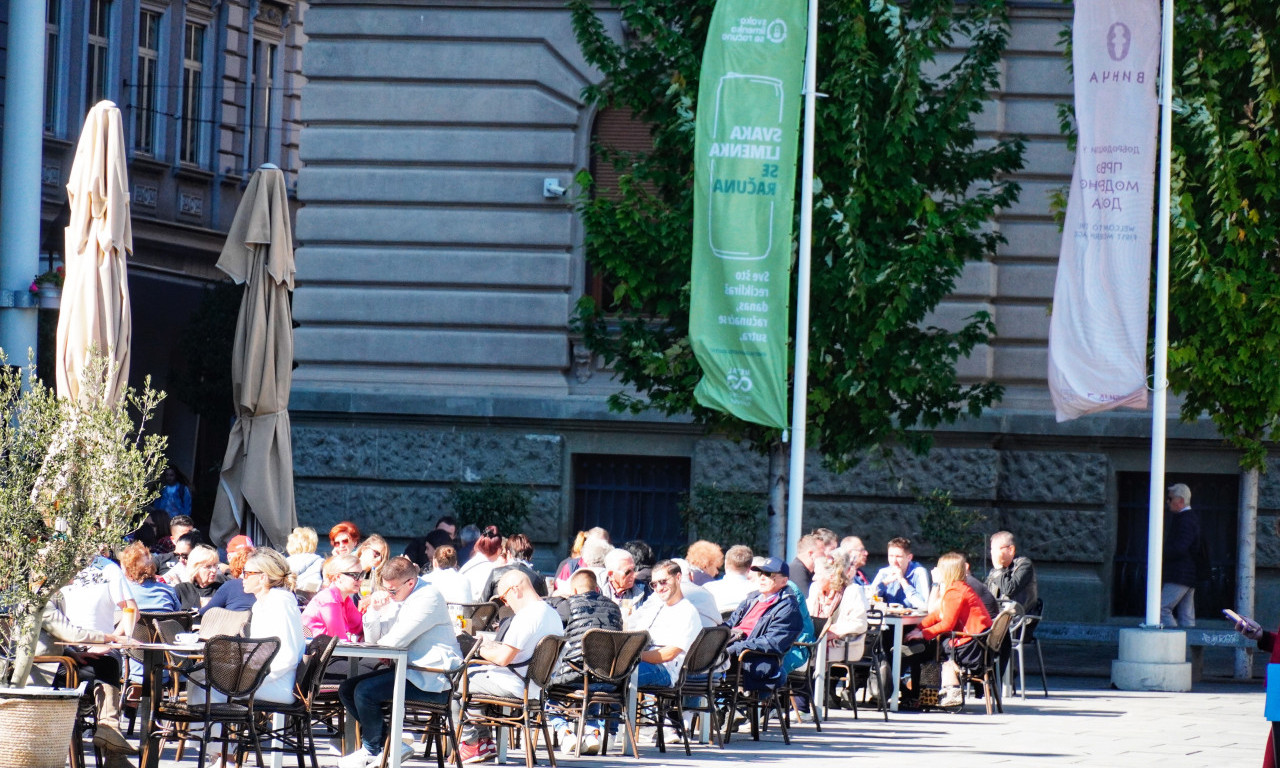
353,574
182,558
627,572
342,542
662,582
251,573
395,591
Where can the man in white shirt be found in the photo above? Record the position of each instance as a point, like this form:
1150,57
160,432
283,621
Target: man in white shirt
672,623
732,588
508,655
708,612
90,602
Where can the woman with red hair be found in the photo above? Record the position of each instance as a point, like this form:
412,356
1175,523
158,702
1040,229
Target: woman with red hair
485,556
344,538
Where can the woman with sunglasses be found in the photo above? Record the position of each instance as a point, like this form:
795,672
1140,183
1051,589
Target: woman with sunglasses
344,538
275,614
332,611
372,553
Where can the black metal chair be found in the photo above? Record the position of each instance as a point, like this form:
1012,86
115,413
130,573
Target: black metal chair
432,721
526,714
696,682
296,733
1022,634
799,683
753,704
987,672
233,667
873,665
608,659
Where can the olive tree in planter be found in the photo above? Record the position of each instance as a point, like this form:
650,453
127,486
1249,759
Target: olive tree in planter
73,478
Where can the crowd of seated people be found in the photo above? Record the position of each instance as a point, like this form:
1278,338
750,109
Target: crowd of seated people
359,591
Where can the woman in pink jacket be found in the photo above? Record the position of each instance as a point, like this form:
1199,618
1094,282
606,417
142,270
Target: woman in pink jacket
332,611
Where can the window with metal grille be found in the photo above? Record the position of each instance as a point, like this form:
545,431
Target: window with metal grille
96,77
1216,498
193,101
632,497
144,114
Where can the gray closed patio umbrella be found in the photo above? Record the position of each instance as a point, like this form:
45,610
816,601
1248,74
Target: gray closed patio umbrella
255,490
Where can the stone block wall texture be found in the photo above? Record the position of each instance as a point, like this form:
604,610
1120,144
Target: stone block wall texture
394,479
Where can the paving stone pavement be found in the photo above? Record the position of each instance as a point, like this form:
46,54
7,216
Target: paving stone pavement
1083,722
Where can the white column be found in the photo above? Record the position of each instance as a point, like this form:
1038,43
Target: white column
20,175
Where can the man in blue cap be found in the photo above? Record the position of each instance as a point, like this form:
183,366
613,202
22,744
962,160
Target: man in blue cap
769,621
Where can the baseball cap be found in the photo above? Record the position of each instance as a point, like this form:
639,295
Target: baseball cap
239,544
770,565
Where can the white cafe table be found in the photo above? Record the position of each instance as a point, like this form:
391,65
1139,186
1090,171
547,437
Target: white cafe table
401,658
898,621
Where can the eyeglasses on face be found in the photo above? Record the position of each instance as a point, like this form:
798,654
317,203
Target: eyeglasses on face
251,573
662,582
395,591
627,572
182,556
354,574
343,542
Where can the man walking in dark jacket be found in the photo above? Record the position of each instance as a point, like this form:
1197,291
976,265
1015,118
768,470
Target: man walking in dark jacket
1181,534
768,621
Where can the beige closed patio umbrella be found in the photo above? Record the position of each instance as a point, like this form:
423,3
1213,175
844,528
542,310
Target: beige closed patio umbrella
94,312
255,491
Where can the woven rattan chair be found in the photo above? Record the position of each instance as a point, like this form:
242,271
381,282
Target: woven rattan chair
220,621
608,659
476,617
86,714
696,683
526,714
233,667
296,734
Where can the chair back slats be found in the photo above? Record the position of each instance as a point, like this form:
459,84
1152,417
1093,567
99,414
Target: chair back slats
705,652
220,621
610,655
236,666
543,662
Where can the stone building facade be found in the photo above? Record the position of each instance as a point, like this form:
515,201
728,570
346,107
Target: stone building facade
208,90
436,283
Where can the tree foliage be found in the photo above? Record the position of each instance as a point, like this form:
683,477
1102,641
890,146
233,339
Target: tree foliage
905,190
74,477
492,502
1225,279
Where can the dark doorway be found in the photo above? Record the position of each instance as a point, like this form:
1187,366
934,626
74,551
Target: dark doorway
1217,499
632,497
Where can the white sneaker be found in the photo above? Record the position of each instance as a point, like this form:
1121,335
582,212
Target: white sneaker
568,741
361,758
591,742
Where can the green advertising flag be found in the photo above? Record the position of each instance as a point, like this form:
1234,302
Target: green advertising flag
745,170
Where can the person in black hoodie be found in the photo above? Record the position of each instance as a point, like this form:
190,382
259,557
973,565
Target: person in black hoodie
1181,534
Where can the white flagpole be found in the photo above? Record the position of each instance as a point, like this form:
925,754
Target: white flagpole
1160,384
800,391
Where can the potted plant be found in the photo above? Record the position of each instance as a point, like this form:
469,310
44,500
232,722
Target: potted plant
47,286
74,477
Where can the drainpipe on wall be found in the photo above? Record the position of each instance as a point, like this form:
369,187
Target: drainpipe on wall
20,177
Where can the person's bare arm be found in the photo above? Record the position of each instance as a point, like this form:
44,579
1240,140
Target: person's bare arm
660,655
498,653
